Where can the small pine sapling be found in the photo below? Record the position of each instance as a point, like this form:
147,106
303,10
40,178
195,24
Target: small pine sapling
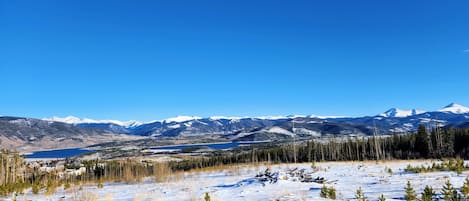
207,197
331,193
449,192
428,194
410,194
465,189
359,195
323,192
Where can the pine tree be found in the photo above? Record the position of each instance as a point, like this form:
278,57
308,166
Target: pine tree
465,189
422,142
324,192
410,193
449,192
207,197
331,193
328,192
359,195
448,143
428,194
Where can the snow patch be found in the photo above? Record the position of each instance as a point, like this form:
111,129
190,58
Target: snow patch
225,117
305,131
182,119
174,126
279,130
325,117
273,117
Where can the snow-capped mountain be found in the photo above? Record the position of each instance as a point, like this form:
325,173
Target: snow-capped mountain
396,112
27,131
455,108
392,121
181,119
76,120
26,134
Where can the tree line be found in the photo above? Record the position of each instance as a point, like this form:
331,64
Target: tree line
16,175
437,144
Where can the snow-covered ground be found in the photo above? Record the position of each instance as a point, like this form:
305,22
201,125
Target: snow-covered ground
239,183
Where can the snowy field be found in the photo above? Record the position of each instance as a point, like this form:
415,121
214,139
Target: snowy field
240,183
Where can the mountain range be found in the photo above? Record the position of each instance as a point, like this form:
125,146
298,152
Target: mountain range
72,131
28,134
392,121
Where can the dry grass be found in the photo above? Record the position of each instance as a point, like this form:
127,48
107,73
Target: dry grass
232,167
83,196
162,172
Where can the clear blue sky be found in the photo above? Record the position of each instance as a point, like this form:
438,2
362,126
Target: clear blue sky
147,60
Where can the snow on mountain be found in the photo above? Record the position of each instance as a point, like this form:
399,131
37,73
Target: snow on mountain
225,117
396,112
188,120
306,132
279,130
278,117
174,126
127,124
68,120
179,119
326,117
455,108
76,120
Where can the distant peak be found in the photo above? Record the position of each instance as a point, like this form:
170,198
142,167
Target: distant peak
224,117
179,119
76,120
455,108
396,112
393,109
453,105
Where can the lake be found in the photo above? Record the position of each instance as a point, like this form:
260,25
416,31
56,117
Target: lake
67,153
58,153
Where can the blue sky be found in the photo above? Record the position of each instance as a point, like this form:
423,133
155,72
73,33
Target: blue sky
155,59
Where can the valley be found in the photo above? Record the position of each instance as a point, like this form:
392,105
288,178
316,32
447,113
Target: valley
246,100
161,158
28,134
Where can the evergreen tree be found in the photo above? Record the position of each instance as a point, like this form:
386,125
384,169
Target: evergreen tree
207,197
435,140
324,192
428,194
331,193
465,189
422,142
448,143
449,192
327,192
359,195
410,193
